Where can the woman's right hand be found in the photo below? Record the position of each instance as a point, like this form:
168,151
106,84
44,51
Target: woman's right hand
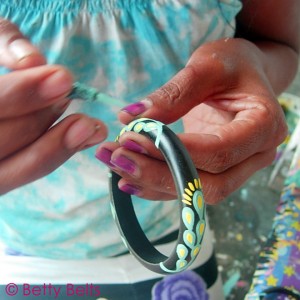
32,98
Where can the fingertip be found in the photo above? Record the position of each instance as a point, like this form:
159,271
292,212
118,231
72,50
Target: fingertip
135,110
84,132
57,83
125,117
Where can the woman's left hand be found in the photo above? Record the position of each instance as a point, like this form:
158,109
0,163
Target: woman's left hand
233,123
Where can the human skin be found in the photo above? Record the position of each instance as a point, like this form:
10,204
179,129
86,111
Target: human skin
32,98
227,98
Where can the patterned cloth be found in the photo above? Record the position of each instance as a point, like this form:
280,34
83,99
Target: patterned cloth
125,49
278,271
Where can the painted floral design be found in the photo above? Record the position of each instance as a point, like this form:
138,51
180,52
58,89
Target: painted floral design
186,285
193,205
279,264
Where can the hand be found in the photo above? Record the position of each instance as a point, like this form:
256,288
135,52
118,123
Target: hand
232,124
32,98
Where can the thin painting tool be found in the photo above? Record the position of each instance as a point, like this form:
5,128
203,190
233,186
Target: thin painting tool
87,93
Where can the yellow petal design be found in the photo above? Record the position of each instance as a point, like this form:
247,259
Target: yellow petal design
186,202
196,251
188,217
200,185
181,253
200,201
189,192
189,238
138,127
181,264
187,197
191,186
201,228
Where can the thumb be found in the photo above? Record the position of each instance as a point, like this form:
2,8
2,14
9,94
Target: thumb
202,78
16,52
169,102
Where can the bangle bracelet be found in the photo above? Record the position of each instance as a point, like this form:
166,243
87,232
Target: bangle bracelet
191,204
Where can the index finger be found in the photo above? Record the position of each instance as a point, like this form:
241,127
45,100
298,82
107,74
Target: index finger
26,91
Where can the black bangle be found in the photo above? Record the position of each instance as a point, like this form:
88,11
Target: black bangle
191,203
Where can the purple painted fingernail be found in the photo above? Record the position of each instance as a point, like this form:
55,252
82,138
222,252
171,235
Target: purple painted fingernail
130,189
104,155
138,108
125,164
133,146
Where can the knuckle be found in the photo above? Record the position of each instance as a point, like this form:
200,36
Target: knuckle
218,162
216,63
215,194
181,86
170,93
269,157
166,183
273,116
282,129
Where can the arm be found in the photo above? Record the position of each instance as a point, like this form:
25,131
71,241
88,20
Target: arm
274,27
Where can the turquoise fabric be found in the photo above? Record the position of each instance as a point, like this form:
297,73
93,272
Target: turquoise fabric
126,49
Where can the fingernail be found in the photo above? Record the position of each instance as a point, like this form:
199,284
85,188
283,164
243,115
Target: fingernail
22,48
130,189
60,106
104,155
98,136
138,108
125,164
133,146
82,134
55,85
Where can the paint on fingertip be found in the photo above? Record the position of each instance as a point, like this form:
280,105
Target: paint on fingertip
130,189
104,155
